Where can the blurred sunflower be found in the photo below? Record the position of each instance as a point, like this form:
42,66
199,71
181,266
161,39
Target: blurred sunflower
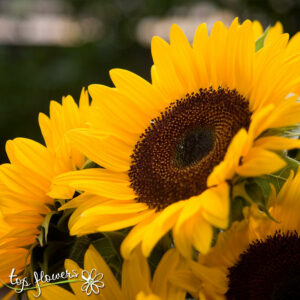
169,149
136,279
26,180
256,258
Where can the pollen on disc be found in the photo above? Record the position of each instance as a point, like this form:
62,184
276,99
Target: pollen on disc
177,152
269,269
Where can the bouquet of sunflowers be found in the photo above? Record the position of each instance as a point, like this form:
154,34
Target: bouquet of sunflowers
185,187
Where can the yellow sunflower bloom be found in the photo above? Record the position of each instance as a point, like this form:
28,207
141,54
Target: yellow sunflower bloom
170,148
26,180
256,258
274,33
136,279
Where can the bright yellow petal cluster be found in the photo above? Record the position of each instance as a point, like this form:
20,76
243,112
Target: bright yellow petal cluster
210,273
267,79
136,279
26,180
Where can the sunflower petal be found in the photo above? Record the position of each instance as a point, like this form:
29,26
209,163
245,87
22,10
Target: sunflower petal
259,162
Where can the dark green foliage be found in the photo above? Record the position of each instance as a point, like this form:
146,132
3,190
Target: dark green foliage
31,76
257,190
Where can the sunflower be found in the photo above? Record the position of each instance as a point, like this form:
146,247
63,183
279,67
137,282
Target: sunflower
26,180
136,279
170,149
256,258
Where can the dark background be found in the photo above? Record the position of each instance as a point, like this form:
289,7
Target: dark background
33,73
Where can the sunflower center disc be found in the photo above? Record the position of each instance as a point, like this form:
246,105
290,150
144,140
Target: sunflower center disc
268,270
180,148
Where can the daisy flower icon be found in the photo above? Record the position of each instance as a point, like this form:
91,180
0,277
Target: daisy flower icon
93,282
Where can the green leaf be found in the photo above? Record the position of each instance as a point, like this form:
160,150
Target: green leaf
42,237
258,196
236,210
239,191
279,178
109,248
59,202
105,247
109,253
53,257
287,131
116,238
164,244
90,164
63,221
259,43
78,249
110,242
257,189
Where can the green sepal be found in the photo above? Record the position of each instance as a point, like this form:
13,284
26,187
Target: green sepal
287,131
63,221
44,228
109,248
19,296
53,257
78,249
236,210
279,178
259,43
50,258
258,195
247,191
59,202
164,244
89,165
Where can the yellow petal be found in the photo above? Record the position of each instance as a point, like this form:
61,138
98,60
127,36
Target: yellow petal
168,81
143,296
31,155
51,292
277,143
109,222
167,266
259,162
11,177
160,226
139,90
245,59
117,109
136,275
202,235
93,260
217,40
45,125
217,205
183,237
86,200
183,59
226,169
115,207
294,44
70,113
136,235
257,29
72,267
200,49
83,100
231,55
186,280
109,152
98,181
